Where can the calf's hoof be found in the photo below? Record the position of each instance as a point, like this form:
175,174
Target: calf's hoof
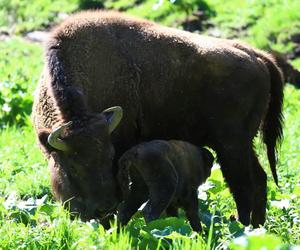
232,218
197,227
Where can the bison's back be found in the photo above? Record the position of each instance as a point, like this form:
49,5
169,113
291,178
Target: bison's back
171,84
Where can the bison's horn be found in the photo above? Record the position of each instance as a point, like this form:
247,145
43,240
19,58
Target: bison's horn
115,118
56,142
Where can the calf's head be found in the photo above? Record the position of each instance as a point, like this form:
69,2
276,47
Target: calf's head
208,160
81,164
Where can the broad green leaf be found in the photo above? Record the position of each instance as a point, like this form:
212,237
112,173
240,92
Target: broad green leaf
236,228
264,242
172,223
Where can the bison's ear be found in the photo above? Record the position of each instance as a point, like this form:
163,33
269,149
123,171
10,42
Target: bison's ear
113,116
43,139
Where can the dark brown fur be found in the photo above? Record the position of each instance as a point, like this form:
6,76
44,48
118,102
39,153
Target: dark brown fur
172,85
168,173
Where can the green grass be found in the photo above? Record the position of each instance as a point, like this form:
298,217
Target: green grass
267,25
29,216
31,224
17,16
22,167
20,63
165,12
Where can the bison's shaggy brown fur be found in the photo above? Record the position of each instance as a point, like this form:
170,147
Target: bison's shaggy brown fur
171,84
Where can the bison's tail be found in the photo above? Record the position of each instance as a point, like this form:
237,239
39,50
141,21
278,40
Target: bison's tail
272,125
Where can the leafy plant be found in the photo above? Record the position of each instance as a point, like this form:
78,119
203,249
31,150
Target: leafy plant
15,102
20,64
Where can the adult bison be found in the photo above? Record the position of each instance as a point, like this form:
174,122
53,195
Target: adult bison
170,84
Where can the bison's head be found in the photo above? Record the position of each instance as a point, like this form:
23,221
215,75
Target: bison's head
81,164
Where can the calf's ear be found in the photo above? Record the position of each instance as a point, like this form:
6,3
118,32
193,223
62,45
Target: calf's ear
208,158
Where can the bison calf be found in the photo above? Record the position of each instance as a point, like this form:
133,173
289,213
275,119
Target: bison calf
167,173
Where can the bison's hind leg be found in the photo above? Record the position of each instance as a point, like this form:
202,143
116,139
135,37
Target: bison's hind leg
260,192
234,155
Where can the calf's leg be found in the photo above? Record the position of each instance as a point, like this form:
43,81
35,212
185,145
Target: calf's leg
172,211
137,195
158,201
161,180
191,208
